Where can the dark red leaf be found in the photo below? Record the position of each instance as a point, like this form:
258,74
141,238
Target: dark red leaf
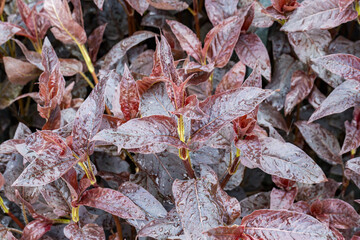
218,11
321,140
129,95
220,41
35,229
318,14
345,65
65,28
232,79
94,41
20,72
88,119
198,205
139,5
301,86
234,232
187,38
341,98
53,159
312,192
280,224
282,199
111,201
140,132
177,5
336,213
290,162
89,231
224,107
252,52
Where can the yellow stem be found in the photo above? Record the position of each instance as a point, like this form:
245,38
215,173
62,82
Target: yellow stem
75,214
3,207
87,79
61,220
24,213
191,11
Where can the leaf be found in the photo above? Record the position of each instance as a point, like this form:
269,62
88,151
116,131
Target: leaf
255,202
352,137
5,233
322,141
281,79
20,72
57,195
51,82
94,41
218,11
316,98
220,41
36,229
99,4
156,101
89,231
341,98
65,28
279,224
335,212
345,65
163,168
168,4
267,114
301,86
7,30
166,61
187,39
250,148
197,204
111,201
224,107
233,232
162,228
252,52
139,5
352,170
318,14
70,67
141,132
191,110
312,192
129,95
284,5
232,79
282,199
290,162
119,50
54,158
88,119
343,4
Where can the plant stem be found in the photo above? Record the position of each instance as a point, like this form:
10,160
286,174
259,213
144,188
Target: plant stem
87,79
14,229
196,17
118,227
24,213
61,220
75,214
15,219
232,169
130,18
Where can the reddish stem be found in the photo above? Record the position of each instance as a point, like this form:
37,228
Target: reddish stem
230,172
15,219
196,17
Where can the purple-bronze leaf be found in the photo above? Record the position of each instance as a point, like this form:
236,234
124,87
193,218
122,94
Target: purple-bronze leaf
343,4
282,199
20,72
280,224
35,229
345,96
94,41
218,11
321,140
90,231
111,201
335,212
301,86
318,14
197,203
316,97
187,38
352,170
233,232
53,159
255,202
220,41
65,28
88,119
233,78
288,161
252,52
224,107
7,31
129,95
345,65
139,5
177,5
352,137
119,50
141,132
